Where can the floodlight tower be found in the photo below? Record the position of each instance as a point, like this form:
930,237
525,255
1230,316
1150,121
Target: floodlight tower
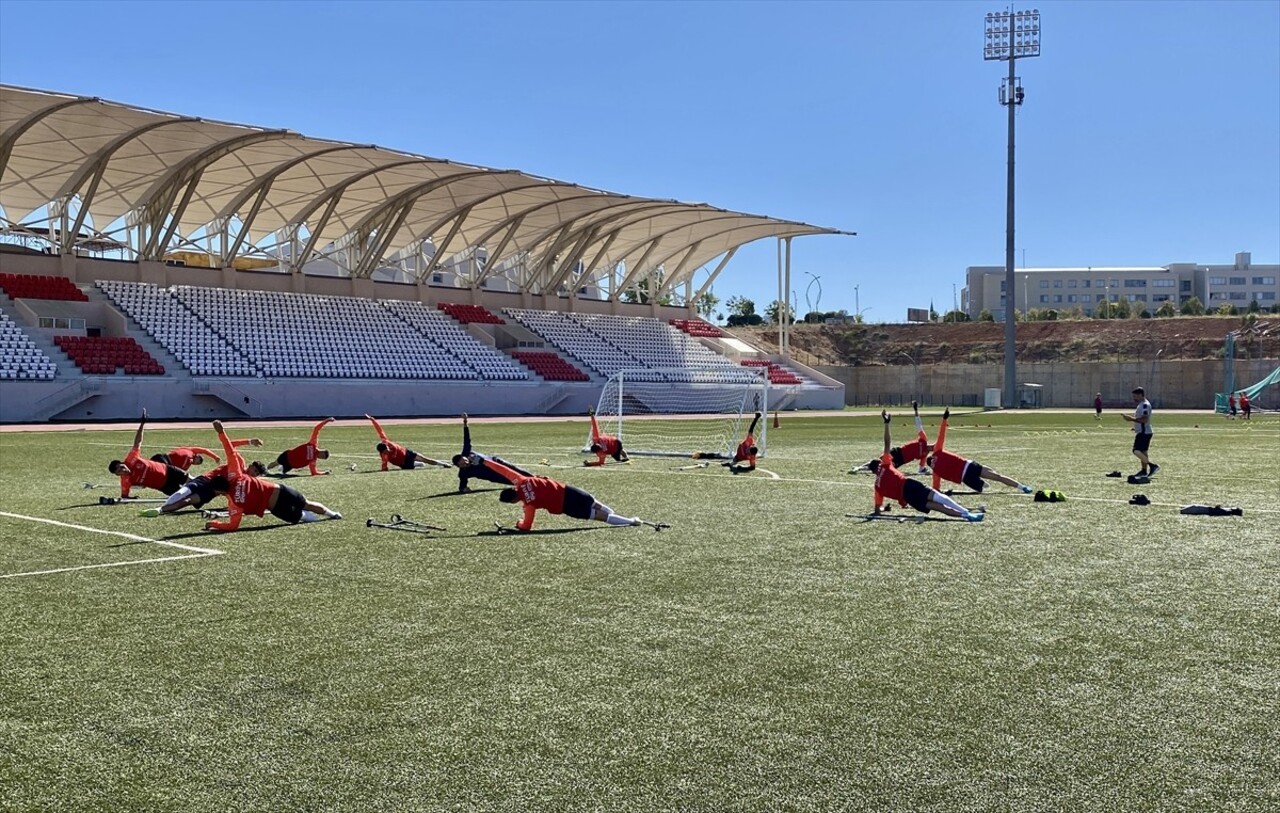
1011,36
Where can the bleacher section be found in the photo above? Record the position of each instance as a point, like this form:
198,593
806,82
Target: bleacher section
655,344
550,366
177,329
696,327
777,373
486,361
466,314
100,355
20,359
572,338
36,286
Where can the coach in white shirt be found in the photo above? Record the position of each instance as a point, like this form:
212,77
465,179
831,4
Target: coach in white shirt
1141,420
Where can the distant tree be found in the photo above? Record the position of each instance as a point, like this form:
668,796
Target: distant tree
740,306
1166,309
1192,307
775,311
1227,309
1144,314
706,304
955,316
639,293
1254,307
1121,309
933,314
985,316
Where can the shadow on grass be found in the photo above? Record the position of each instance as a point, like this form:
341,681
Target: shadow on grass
202,534
913,518
456,493
543,532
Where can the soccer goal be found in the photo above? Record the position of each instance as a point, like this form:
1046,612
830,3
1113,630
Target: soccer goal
676,412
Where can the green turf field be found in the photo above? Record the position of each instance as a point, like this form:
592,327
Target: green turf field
768,652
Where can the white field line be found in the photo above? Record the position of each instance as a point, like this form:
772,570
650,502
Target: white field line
196,553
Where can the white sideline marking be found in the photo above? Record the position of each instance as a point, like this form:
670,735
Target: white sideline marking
196,553
771,474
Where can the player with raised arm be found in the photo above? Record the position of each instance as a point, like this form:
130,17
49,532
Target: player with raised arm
555,497
894,485
956,469
184,457
471,465
247,494
396,455
203,488
305,455
603,445
908,452
135,470
745,453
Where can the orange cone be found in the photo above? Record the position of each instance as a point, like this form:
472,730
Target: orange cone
775,419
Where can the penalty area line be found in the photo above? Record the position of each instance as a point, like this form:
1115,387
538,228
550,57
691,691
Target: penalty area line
194,552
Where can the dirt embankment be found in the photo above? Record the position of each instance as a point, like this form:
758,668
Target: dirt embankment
981,342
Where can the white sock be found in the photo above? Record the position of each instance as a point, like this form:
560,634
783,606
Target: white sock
614,519
311,516
943,499
919,425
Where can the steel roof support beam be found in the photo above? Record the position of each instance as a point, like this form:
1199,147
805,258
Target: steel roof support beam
666,286
260,186
656,239
571,259
491,263
632,273
438,257
706,286
591,220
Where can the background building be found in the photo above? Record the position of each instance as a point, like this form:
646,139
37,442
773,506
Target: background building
1065,289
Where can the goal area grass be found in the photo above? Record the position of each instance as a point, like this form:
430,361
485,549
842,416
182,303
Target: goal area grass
775,649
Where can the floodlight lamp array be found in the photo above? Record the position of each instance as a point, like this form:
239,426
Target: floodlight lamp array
1011,35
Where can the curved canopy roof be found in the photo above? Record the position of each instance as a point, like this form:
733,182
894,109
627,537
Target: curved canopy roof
175,182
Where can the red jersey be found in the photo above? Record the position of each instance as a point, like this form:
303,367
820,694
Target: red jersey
534,492
914,451
246,494
142,472
395,454
889,482
744,451
609,445
946,466
299,456
183,456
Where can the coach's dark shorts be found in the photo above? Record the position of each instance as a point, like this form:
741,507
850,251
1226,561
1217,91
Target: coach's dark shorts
972,476
578,503
174,479
289,505
916,494
410,459
1141,442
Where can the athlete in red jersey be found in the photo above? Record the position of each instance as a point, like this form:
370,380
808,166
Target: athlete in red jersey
203,488
908,452
555,497
184,457
894,485
1246,407
247,494
956,469
134,470
305,455
745,453
396,455
603,445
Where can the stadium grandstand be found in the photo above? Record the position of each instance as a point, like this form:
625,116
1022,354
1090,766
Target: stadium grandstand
208,269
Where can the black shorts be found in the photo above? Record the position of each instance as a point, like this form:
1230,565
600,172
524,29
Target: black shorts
283,460
1141,442
916,494
578,503
289,505
896,454
161,458
205,489
174,479
972,476
483,472
410,459
618,454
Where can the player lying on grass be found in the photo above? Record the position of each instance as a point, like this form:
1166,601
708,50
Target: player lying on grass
603,445
203,488
134,470
555,497
184,457
305,455
918,449
956,469
247,494
396,455
745,453
471,465
894,485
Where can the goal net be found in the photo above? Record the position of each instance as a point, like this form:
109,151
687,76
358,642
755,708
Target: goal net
679,411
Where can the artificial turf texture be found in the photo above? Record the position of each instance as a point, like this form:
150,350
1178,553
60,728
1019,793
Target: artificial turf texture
768,652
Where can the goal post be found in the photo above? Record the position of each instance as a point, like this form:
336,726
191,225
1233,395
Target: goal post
679,411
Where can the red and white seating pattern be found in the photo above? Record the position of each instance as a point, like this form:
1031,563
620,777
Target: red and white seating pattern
777,373
465,314
577,341
102,355
549,365
177,329
488,362
655,344
20,359
696,327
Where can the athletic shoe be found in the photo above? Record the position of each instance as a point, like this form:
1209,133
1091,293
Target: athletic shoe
1154,469
150,512
972,517
335,515
1025,489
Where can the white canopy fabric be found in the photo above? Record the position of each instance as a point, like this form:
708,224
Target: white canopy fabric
183,181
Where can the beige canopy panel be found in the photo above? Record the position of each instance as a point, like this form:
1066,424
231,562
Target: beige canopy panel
83,172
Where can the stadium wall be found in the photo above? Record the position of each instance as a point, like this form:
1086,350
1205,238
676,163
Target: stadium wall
1174,384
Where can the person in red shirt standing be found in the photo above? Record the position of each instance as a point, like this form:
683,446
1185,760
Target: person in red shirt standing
956,469
396,455
184,457
136,471
1231,405
305,455
603,445
555,497
247,494
1097,407
1245,406
894,485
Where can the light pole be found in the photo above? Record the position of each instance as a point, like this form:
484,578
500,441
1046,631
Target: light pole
1010,36
812,282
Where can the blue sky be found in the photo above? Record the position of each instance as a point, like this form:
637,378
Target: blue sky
1150,135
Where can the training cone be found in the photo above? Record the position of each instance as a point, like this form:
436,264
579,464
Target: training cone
775,419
